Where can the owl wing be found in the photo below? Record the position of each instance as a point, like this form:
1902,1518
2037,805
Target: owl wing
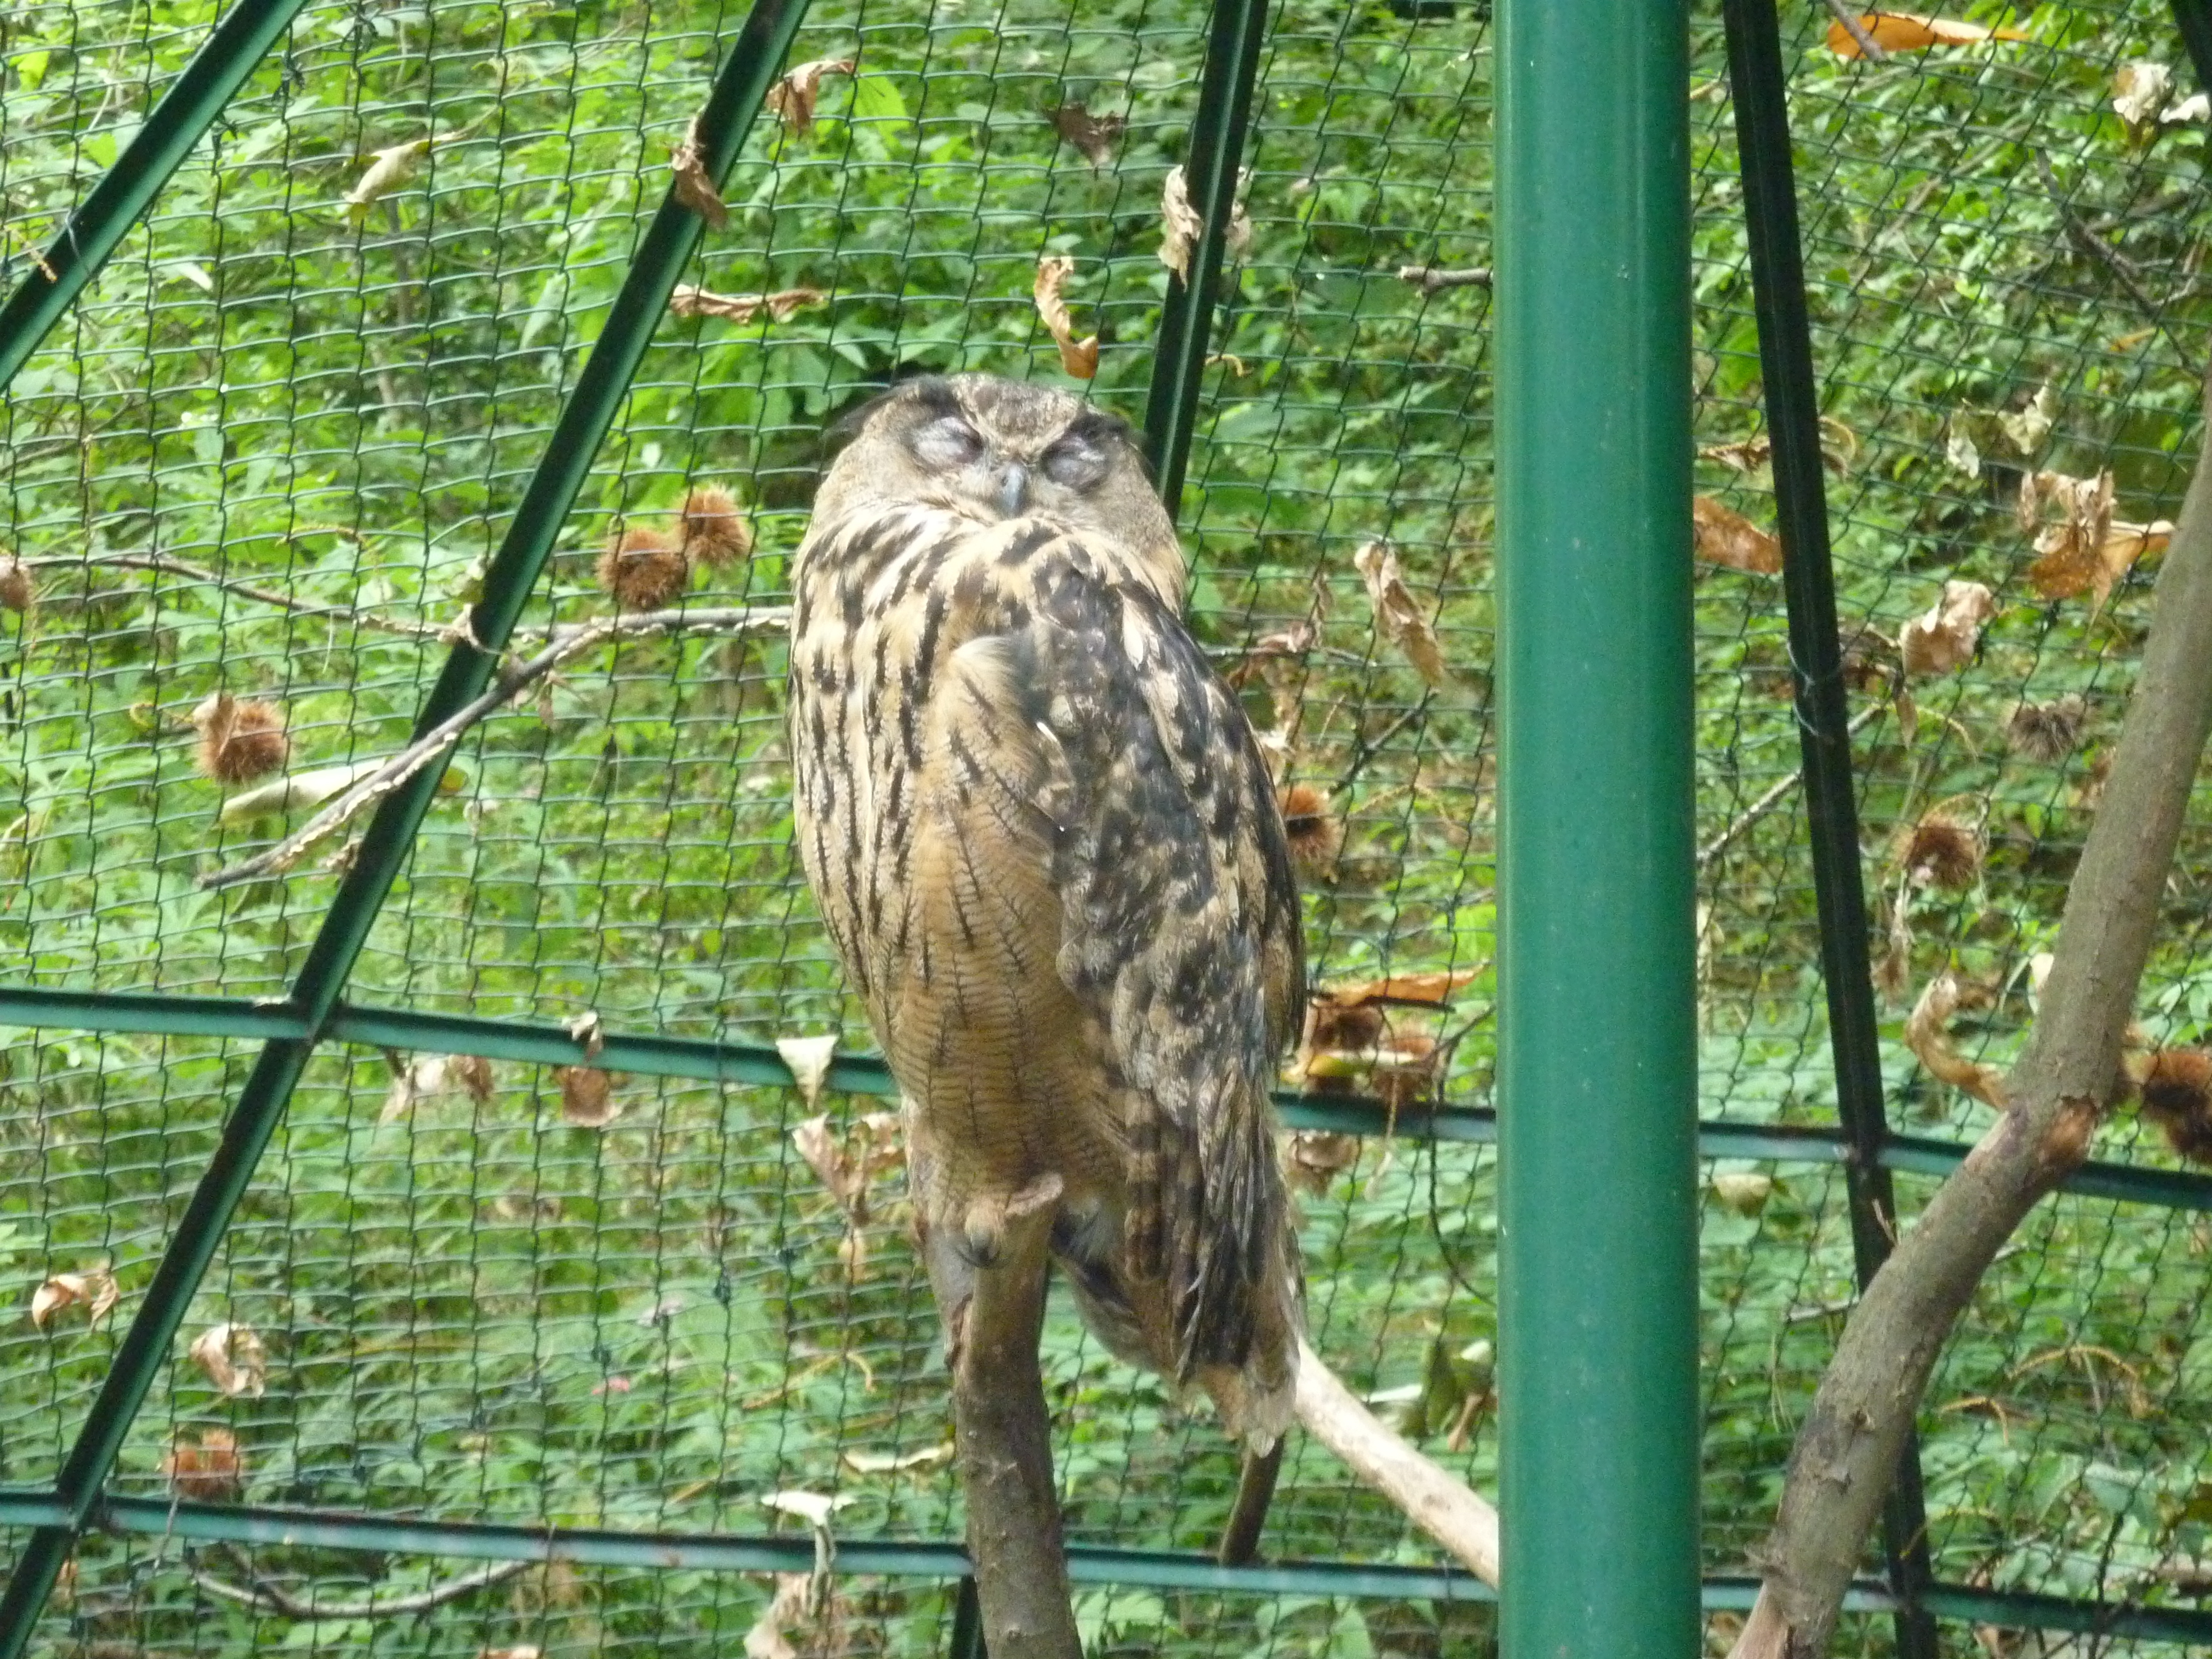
1179,920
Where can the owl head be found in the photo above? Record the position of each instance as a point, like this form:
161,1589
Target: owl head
993,449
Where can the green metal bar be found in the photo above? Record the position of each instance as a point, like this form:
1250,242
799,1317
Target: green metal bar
240,41
1758,95
1597,1063
738,93
151,1014
1235,36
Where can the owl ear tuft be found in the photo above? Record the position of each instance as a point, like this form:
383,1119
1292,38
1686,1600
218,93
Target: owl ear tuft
916,382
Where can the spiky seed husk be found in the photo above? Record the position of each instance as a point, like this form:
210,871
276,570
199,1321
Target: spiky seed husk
2177,1095
2047,731
240,738
1943,851
17,593
642,570
715,533
1315,836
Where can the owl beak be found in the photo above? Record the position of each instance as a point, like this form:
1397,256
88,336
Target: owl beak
1013,488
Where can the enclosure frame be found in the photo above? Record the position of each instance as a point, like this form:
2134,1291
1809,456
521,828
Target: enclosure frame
315,1011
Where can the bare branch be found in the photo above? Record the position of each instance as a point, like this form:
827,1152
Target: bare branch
1847,1451
268,1598
1441,1505
174,567
2096,247
1430,279
1767,802
566,642
1855,26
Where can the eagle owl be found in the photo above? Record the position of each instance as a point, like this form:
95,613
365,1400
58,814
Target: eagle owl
1050,857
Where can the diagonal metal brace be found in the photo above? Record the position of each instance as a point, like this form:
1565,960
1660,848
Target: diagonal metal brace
739,92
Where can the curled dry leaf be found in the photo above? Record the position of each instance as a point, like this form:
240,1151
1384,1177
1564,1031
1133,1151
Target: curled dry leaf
1312,1159
1350,1033
813,1508
1401,619
589,1028
695,186
303,792
1943,638
240,738
233,1359
1913,30
808,1606
587,1097
1747,455
1077,357
1728,538
18,592
690,302
413,1082
1094,135
2140,91
2026,427
208,1471
809,1059
2081,548
1745,1192
1926,1033
388,169
94,1290
794,97
928,1457
846,1166
1181,226
474,1073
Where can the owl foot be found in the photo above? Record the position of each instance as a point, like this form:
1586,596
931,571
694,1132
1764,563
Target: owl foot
984,1227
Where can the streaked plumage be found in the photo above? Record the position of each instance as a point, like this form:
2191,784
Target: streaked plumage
1048,852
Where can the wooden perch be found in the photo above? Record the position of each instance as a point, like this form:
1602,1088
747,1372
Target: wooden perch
1847,1451
265,1597
1441,1505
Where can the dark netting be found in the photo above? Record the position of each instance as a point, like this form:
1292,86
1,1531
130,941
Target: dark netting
489,1274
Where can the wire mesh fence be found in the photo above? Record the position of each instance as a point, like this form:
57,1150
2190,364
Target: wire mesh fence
490,1274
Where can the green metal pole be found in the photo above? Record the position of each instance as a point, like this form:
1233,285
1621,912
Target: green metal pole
1597,1069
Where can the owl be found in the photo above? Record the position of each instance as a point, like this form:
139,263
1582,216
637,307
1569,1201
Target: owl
1049,854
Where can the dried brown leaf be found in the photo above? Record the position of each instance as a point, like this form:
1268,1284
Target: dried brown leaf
587,1097
210,1472
690,302
1727,537
1434,989
1746,455
695,186
1077,357
809,1059
2141,90
474,1073
2074,516
1397,615
1926,1033
95,1290
794,97
233,1359
928,1457
589,1028
1181,226
1312,1159
18,592
388,169
1745,1192
1096,135
1913,30
1942,639
846,1166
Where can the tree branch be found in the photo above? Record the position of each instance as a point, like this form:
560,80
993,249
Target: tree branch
1855,26
566,641
1847,1451
174,567
1441,1505
268,1598
1430,279
1767,802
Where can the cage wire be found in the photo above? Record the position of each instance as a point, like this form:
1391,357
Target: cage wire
546,1238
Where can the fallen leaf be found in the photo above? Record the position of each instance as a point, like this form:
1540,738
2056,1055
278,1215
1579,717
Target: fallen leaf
1743,1191
1181,226
2071,517
695,188
1434,989
1913,30
786,1607
1728,538
589,1028
846,1166
1077,357
2026,429
1312,1159
211,1472
412,1083
94,1289
388,169
1396,614
689,301
809,1059
2140,92
1926,1033
1746,455
928,1457
794,97
587,1099
235,1360
1943,638
813,1507
1960,452
1094,135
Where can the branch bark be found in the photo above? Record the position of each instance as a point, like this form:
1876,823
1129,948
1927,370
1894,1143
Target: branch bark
1847,1451
268,1598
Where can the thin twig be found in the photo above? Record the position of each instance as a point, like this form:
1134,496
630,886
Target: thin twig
1855,26
1767,802
170,566
1431,279
566,642
2096,247
266,1597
